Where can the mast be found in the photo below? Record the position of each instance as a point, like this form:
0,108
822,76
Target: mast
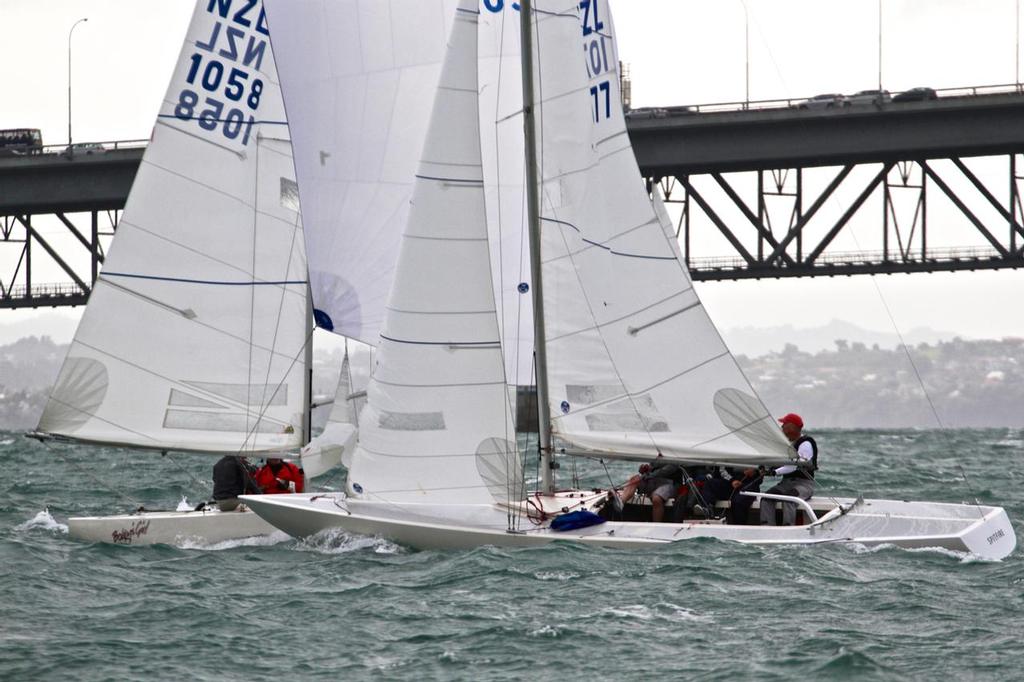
533,225
307,375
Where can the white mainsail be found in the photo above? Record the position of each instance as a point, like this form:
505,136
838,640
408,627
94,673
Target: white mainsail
634,363
195,333
438,420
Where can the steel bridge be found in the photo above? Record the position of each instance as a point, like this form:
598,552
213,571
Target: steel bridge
726,168
91,182
914,149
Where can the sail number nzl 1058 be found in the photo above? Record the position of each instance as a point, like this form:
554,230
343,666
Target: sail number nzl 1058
222,86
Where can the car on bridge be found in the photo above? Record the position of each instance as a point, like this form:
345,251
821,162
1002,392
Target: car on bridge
876,97
921,94
827,101
85,148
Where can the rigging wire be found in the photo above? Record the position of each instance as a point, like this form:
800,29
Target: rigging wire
280,308
204,485
252,303
943,429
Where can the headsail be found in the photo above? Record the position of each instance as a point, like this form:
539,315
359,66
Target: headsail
194,335
335,444
438,419
635,363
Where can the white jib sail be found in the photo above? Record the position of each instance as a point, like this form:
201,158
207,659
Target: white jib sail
334,445
635,364
438,422
194,333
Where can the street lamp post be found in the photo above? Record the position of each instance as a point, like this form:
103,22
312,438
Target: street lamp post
746,45
69,77
879,45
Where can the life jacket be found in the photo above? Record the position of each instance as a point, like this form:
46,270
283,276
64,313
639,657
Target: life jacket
266,478
800,472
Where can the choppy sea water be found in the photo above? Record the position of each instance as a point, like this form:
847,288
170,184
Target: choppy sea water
344,607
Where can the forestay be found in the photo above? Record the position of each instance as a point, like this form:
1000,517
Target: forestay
438,421
635,364
194,334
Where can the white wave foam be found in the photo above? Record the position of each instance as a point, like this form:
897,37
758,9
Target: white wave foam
561,576
549,631
642,612
681,614
632,612
183,505
43,521
6,441
963,557
338,541
275,538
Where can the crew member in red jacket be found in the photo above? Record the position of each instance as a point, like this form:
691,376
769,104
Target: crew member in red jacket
279,476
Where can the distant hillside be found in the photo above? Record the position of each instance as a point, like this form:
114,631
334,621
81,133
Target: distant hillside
756,341
59,326
970,383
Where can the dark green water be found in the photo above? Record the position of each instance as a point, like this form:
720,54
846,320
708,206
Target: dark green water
346,607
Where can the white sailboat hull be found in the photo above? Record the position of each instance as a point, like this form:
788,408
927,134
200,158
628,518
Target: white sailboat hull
168,527
982,531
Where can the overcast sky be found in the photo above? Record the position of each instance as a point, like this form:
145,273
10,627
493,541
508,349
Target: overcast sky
679,52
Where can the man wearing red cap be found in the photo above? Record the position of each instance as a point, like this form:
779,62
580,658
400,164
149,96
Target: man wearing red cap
797,479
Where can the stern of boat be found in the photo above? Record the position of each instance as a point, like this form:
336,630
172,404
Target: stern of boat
992,537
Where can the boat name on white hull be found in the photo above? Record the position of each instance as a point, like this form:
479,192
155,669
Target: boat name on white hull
125,536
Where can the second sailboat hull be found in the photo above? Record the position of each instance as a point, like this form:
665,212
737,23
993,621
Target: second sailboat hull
982,531
168,527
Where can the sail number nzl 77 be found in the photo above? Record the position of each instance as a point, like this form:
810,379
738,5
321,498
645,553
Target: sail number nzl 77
222,88
595,49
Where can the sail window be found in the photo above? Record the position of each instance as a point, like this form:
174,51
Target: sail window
219,421
580,394
290,194
182,399
412,421
627,422
246,393
632,414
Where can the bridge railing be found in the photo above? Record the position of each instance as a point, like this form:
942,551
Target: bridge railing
92,147
941,255
45,290
765,104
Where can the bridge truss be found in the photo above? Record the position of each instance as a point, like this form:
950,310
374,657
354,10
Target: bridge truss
796,240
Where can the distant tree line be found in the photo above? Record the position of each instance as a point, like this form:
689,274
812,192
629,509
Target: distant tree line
956,384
